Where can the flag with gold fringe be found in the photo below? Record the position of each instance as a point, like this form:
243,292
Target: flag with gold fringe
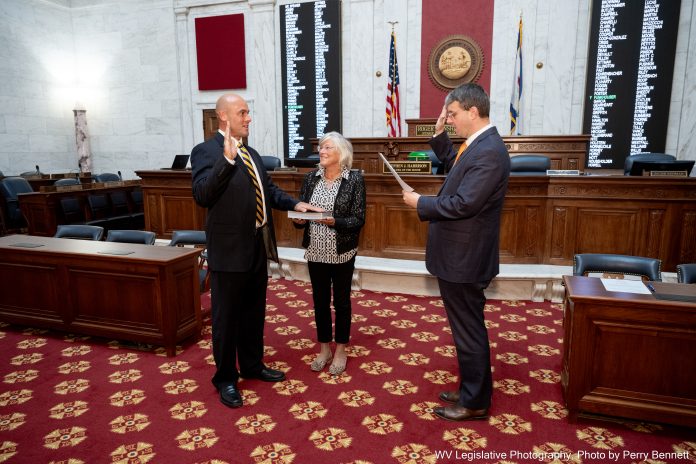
393,113
516,87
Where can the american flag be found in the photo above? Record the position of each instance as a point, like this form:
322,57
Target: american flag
516,87
393,113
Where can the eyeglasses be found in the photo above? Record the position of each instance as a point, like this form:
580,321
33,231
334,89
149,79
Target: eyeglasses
326,147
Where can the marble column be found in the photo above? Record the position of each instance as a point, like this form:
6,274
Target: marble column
84,153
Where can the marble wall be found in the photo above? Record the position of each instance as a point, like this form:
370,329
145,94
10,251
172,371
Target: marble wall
132,65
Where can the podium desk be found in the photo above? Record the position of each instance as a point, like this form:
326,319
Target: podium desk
628,355
141,293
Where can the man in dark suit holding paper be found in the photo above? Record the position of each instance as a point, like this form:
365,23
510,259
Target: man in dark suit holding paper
463,239
230,180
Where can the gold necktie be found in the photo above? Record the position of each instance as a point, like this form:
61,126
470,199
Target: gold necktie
246,158
462,149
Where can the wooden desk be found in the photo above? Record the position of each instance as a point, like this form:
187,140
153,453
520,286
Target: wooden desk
43,211
150,295
628,355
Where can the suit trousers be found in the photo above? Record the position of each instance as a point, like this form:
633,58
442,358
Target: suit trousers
464,304
322,276
238,309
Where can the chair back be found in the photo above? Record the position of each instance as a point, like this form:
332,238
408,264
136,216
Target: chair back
529,165
107,177
617,266
686,273
270,162
72,210
67,181
657,157
10,187
79,231
144,237
99,205
188,237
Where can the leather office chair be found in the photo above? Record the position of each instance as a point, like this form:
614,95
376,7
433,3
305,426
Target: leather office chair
686,273
144,237
196,238
67,181
72,210
79,231
121,218
529,165
658,157
138,214
107,177
270,162
10,187
617,266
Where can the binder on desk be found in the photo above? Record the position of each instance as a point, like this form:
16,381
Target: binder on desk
674,292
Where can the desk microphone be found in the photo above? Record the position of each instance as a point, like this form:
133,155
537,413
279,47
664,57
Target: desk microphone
119,175
37,169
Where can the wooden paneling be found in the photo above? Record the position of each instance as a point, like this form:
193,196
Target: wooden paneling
628,355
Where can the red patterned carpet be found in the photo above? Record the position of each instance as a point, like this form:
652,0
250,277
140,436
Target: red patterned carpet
73,399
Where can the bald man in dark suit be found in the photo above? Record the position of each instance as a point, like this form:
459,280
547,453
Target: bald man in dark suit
463,239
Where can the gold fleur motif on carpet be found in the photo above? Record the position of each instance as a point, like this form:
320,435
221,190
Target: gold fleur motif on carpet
537,312
391,343
356,398
368,303
127,398
384,313
513,318
162,351
11,421
543,350
7,450
250,397
206,344
512,336
26,358
174,367
134,453
382,424
356,294
31,343
279,366
300,343
600,438
275,453
177,387
74,367
424,409
306,313
123,358
433,318
130,423
71,386
208,329
194,439
510,424
643,427
210,359
188,410
425,337
464,439
376,367
403,324
357,351
307,411
541,329
491,308
276,287
286,295
290,387
413,308
550,409
396,298
440,377
489,324
514,303
371,330
545,376
511,358
448,329
558,453
297,304
276,318
14,397
72,338
414,359
400,387
268,351
511,386
257,423
437,303
357,318
287,330
330,439
686,447
331,379
413,453
131,375
21,376
79,350
448,351
62,438
69,409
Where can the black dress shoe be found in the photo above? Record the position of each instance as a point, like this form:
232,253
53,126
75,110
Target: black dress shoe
229,396
451,397
267,375
460,413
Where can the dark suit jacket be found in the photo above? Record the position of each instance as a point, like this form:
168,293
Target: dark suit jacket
464,229
228,193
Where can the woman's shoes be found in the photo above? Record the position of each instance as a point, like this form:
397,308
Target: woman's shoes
337,368
319,364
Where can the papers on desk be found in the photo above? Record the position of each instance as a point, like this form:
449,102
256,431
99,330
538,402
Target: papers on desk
404,185
625,286
310,215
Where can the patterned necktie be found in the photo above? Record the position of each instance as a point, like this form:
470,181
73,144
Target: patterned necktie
462,149
246,158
